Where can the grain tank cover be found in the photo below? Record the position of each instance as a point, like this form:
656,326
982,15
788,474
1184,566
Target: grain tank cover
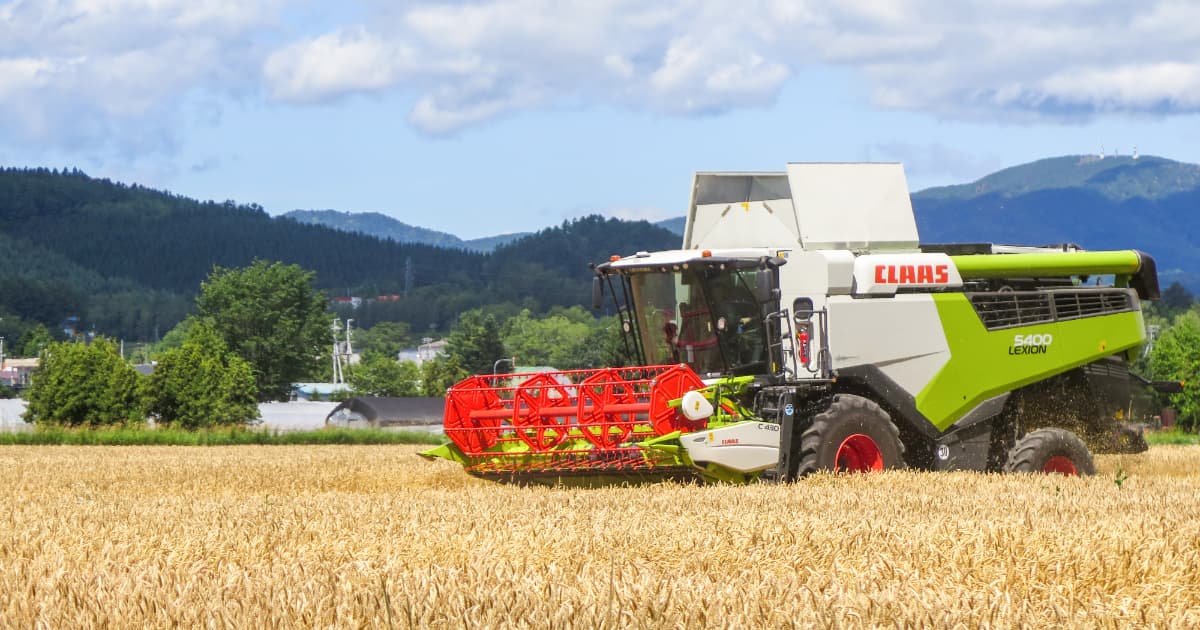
862,207
741,210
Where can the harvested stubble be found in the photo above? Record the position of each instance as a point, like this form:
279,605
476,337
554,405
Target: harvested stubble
332,536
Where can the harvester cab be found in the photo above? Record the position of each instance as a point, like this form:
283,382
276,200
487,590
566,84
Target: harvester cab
803,326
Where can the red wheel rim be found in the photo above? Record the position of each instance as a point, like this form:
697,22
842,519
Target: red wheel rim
858,453
1060,464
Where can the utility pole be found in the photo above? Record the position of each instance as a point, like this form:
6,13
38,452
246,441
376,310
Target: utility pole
408,275
337,364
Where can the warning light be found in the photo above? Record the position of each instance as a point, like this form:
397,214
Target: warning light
614,258
706,254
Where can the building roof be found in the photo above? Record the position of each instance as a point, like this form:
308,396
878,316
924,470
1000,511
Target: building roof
380,410
21,363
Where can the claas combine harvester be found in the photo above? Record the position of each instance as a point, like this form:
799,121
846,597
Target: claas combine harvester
803,326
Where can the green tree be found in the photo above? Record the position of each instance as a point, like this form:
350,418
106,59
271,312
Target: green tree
80,384
1176,356
476,341
270,315
568,339
201,384
603,346
1176,298
440,374
384,338
176,336
555,340
379,375
33,341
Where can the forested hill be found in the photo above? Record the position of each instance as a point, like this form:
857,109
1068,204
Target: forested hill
127,259
1116,178
383,226
375,224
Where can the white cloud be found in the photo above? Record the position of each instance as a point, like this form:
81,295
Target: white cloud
95,72
78,74
698,76
451,109
1170,85
346,61
1011,59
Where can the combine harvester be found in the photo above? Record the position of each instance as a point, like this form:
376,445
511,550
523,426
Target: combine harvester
804,327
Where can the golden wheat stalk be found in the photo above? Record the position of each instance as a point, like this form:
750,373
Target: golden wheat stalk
374,536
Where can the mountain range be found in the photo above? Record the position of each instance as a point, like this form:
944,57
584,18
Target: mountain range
385,227
1118,202
127,260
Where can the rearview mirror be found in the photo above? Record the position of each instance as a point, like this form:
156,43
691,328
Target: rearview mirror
597,293
802,309
764,285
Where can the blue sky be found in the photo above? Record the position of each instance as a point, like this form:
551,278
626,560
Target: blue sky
495,116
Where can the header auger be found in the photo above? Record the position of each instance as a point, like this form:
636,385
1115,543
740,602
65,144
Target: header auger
804,327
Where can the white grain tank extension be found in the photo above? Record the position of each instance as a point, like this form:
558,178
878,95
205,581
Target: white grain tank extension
812,206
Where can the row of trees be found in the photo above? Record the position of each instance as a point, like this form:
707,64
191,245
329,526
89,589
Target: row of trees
200,384
257,330
260,328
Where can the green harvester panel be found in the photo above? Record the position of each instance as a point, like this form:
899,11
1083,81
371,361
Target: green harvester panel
985,363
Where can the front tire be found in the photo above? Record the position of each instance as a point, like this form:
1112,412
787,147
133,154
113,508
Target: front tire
853,435
1050,451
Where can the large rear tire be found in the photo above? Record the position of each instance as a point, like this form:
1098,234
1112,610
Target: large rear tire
853,435
1050,451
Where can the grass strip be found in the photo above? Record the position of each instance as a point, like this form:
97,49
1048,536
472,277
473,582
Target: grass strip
1173,437
141,436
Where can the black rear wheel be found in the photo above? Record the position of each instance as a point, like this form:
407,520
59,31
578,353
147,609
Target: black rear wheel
853,435
1050,451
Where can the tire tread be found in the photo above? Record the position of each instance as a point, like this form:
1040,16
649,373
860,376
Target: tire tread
1030,452
843,404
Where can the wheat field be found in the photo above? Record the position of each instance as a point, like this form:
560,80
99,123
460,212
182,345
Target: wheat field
354,536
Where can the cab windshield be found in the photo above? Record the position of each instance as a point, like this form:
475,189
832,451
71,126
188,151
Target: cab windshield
705,316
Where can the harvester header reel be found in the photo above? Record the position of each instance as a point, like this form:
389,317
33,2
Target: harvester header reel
574,422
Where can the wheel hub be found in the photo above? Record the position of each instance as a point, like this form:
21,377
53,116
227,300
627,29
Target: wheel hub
1061,465
858,453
